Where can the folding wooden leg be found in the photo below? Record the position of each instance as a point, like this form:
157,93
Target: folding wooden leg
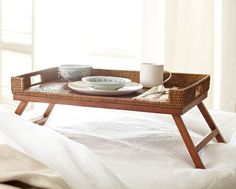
42,120
21,107
188,142
48,110
211,122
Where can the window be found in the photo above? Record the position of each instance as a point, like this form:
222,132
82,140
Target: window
15,44
104,33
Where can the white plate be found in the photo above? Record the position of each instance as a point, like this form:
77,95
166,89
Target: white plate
82,87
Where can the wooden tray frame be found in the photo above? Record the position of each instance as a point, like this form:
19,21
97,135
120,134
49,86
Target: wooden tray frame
191,91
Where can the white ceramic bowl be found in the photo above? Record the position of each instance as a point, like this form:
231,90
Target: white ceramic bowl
74,72
106,82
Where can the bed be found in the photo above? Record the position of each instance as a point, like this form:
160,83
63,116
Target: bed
102,148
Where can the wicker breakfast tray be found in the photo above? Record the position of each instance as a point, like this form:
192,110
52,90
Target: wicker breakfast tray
186,91
190,88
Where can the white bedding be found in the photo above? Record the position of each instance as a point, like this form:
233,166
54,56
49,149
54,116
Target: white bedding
141,150
80,168
145,150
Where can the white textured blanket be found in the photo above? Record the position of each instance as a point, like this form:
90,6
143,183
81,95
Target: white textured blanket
146,151
80,168
133,149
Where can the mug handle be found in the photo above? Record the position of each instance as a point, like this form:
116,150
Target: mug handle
170,74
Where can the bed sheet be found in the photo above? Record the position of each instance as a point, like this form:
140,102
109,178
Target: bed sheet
145,150
79,167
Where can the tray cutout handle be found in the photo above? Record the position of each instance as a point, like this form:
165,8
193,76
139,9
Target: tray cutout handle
35,79
198,91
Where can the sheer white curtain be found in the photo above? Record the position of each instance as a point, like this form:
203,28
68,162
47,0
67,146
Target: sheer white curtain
190,37
200,37
180,34
228,57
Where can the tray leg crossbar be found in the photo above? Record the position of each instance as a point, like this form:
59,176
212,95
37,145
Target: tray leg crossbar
206,139
211,122
193,150
42,120
188,142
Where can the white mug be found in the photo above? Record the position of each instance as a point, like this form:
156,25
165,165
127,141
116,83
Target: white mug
152,75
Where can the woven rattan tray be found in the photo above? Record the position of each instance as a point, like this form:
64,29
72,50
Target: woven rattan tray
190,88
